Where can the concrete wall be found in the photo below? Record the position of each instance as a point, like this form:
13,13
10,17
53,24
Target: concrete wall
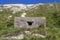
29,22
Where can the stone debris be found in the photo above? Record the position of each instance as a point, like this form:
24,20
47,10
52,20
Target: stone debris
27,32
41,3
50,4
21,36
23,15
15,10
42,36
38,35
1,10
6,6
9,16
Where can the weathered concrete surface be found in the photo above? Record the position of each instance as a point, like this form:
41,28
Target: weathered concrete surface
29,22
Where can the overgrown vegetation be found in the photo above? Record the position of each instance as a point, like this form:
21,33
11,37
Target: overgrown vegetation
52,21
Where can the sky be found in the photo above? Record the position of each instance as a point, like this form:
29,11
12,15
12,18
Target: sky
26,1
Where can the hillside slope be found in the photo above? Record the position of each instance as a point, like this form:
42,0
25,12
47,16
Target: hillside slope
50,11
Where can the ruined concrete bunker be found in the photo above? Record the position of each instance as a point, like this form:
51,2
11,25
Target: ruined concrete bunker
29,22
